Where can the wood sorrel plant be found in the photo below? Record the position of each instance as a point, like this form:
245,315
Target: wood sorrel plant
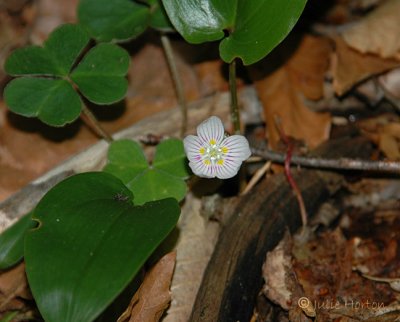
95,230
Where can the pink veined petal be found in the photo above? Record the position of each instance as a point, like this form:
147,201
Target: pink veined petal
238,148
212,128
192,145
227,171
200,169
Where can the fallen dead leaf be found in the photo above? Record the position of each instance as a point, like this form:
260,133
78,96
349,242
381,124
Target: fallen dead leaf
13,288
389,146
153,297
349,67
277,273
378,32
390,81
197,239
393,282
384,131
282,92
151,89
210,77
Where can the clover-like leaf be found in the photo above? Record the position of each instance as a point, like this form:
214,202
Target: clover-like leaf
125,160
170,157
153,185
55,58
253,27
53,101
100,76
12,242
162,179
90,243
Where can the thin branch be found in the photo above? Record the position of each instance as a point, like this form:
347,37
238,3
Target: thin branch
257,176
337,164
235,116
92,122
169,54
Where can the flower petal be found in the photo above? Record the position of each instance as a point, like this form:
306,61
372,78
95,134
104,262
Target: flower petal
211,129
192,145
200,169
228,170
238,148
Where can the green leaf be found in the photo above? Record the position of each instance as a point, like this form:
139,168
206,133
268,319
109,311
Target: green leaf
12,242
53,101
116,20
32,60
254,27
90,243
55,58
100,76
153,184
164,178
158,17
170,157
125,160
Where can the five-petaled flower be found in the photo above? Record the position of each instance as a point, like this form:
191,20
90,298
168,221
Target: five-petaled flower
212,154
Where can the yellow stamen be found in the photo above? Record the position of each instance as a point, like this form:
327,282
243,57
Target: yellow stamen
207,162
220,162
224,150
212,141
202,151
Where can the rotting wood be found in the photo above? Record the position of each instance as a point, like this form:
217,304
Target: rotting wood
233,277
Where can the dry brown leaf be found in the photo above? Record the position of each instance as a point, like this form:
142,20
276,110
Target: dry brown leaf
390,81
277,273
384,131
151,89
378,33
210,77
349,67
197,239
153,297
389,146
13,287
282,93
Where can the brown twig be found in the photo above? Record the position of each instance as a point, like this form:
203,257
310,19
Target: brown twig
257,176
334,164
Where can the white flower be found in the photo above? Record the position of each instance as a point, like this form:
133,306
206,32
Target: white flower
211,154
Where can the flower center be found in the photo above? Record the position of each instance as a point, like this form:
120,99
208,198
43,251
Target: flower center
213,153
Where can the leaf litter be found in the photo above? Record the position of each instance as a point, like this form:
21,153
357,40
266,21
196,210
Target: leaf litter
347,272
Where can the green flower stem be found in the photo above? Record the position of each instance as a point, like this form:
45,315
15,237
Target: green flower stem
176,80
235,116
92,121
